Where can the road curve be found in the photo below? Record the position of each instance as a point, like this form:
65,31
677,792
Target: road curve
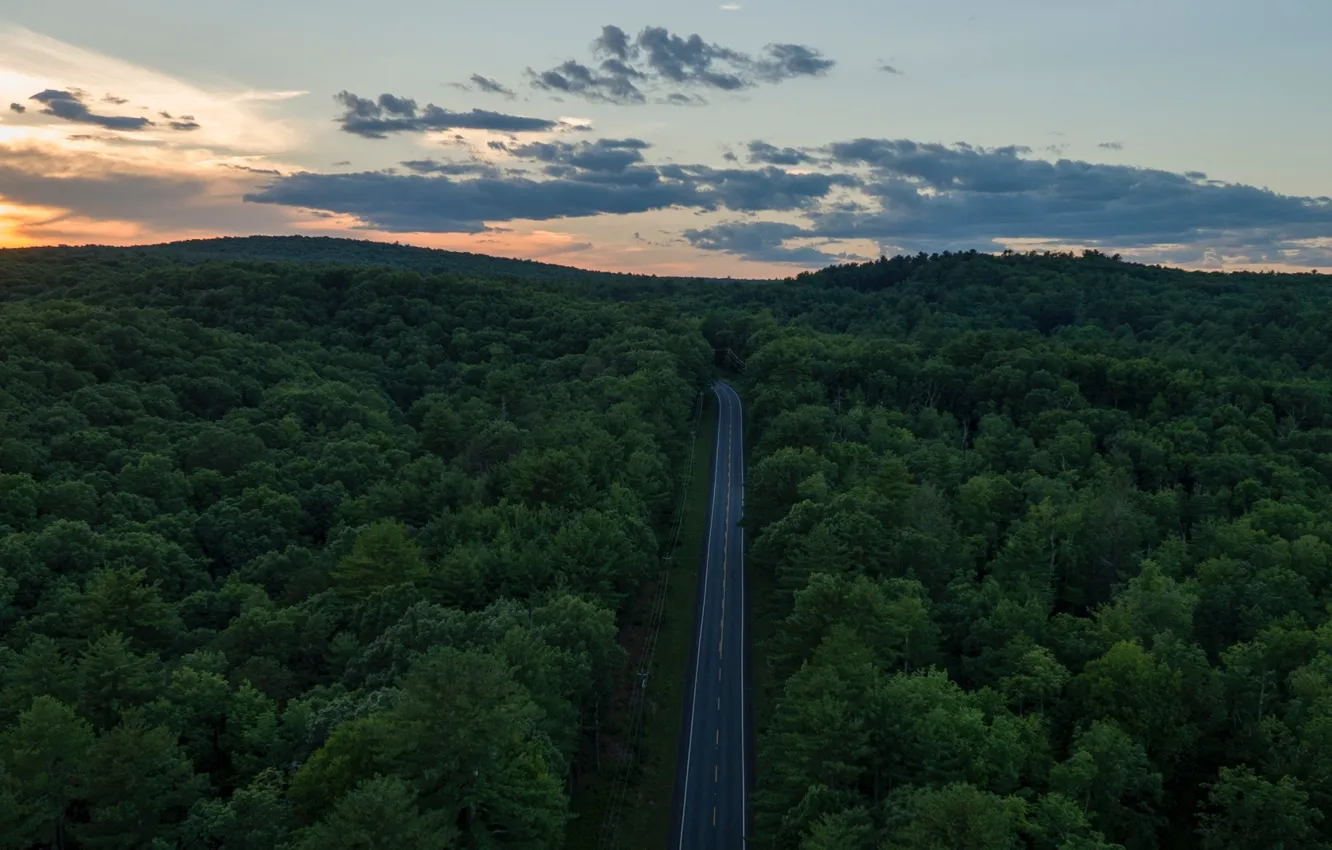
714,771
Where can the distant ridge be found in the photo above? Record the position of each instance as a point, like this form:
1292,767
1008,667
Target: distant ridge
328,250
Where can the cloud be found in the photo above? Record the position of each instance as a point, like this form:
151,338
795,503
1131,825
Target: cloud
762,241
414,203
771,154
69,106
606,155
627,69
490,86
457,169
759,189
730,7
375,119
585,179
615,83
272,172
787,61
233,119
18,107
676,98
1111,146
85,189
933,197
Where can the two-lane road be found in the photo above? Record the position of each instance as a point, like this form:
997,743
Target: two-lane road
712,786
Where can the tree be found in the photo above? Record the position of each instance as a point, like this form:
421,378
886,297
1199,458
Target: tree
139,786
382,813
112,678
1109,776
1039,679
1142,695
820,735
120,600
256,817
463,737
1246,812
957,816
45,755
851,829
383,555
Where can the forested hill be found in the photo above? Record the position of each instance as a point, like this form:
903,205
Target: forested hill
1044,293
1050,554
295,555
321,250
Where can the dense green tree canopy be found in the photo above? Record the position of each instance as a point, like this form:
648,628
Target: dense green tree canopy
1049,537
298,555
322,544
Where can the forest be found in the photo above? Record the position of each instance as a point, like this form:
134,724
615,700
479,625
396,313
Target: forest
318,557
303,549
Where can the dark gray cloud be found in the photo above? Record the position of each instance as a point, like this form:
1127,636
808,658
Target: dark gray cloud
763,241
376,119
679,98
70,106
489,86
272,172
606,155
456,169
88,187
185,123
614,42
614,83
603,177
626,69
1111,146
765,152
932,197
411,203
686,61
786,61
756,190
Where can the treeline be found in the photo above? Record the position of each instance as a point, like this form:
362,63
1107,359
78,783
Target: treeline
318,557
1050,577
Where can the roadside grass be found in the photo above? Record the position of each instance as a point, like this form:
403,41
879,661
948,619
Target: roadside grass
645,821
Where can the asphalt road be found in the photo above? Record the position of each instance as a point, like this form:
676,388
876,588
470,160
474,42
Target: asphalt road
712,783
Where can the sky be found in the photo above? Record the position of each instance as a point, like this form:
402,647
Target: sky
749,138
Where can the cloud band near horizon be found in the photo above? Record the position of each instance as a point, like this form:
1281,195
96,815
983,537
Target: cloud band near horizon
900,194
